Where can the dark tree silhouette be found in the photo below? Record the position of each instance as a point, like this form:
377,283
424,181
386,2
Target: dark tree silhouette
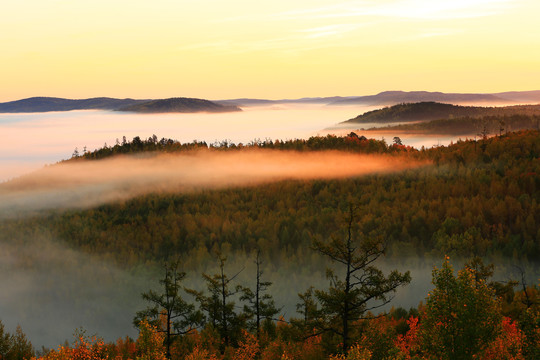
218,304
363,286
260,306
307,307
168,312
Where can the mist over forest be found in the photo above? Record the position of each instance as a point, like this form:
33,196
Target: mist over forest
87,236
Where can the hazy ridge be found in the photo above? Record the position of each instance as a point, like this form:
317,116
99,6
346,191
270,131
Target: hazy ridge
44,104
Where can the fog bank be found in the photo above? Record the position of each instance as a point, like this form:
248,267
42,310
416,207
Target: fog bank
79,184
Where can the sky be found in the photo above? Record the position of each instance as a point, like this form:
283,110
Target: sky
265,49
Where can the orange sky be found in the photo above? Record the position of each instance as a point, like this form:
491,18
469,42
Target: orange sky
267,49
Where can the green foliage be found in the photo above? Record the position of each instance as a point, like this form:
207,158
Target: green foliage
14,346
462,315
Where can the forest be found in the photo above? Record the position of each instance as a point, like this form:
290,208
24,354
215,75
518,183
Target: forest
476,202
469,126
430,110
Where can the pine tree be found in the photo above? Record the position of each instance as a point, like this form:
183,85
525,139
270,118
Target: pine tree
363,287
169,312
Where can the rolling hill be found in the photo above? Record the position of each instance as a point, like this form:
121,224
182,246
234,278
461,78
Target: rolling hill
46,104
179,105
427,111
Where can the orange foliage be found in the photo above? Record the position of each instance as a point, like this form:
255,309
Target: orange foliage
408,343
294,350
82,349
150,343
248,348
507,345
200,353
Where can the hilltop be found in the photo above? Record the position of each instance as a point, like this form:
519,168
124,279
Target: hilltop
179,105
427,111
46,104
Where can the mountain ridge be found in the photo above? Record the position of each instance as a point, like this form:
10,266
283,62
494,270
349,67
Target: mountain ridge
385,98
48,104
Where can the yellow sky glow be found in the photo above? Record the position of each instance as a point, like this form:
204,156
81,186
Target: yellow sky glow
266,49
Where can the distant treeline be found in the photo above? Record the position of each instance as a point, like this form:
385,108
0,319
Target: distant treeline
426,111
352,142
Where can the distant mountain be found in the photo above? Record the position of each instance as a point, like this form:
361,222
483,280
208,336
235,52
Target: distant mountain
45,104
521,96
427,111
396,97
257,102
179,105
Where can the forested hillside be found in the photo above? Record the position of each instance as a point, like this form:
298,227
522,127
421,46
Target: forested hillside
478,198
470,126
472,200
426,111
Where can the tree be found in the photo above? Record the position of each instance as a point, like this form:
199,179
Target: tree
150,343
21,348
307,307
169,313
462,315
397,140
5,341
260,306
218,305
363,287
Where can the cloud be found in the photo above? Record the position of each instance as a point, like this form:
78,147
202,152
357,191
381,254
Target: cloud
329,30
404,9
318,25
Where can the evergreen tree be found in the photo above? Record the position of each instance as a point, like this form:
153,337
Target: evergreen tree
218,304
363,286
260,306
169,313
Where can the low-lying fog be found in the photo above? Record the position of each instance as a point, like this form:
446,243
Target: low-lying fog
30,141
51,291
90,183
